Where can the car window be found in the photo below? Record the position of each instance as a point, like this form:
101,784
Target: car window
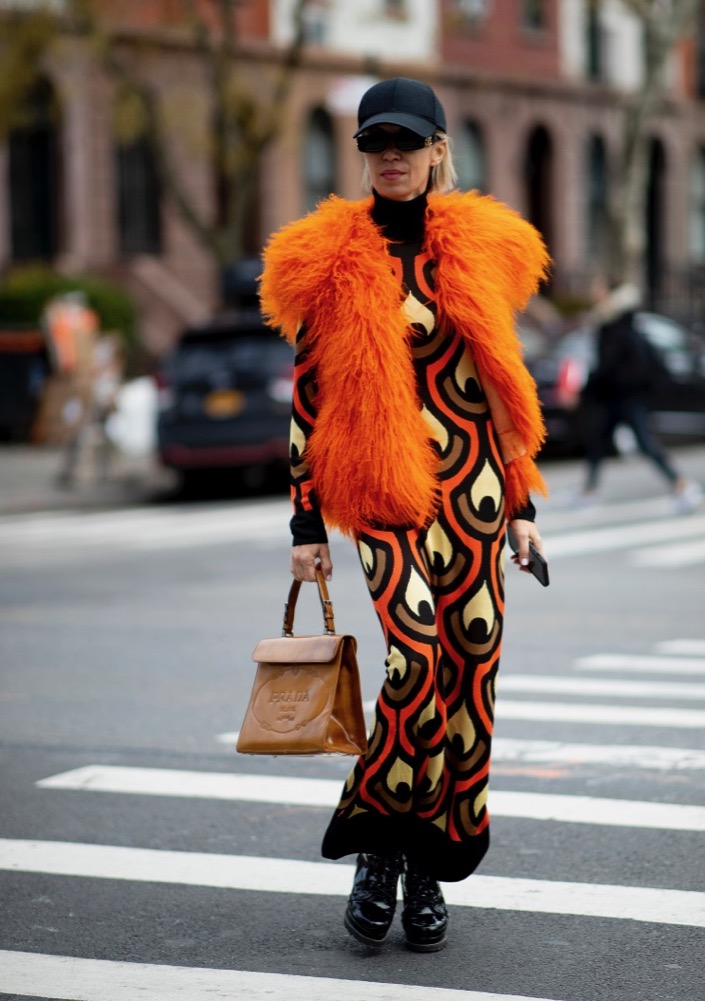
249,357
662,333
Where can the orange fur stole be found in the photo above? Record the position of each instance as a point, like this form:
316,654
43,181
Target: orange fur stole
370,455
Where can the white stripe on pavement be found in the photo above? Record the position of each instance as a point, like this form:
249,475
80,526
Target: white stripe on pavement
145,528
642,663
277,875
662,759
685,554
615,755
326,792
683,647
577,712
164,528
624,537
65,977
599,686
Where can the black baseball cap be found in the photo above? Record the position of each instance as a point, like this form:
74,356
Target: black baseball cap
400,101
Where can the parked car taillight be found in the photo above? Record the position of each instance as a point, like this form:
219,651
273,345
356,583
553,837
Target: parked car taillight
571,379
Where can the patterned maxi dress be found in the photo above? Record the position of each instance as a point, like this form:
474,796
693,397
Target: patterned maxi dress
439,594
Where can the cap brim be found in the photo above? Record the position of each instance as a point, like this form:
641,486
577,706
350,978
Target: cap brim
421,126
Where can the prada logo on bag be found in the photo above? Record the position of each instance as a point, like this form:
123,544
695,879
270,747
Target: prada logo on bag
283,709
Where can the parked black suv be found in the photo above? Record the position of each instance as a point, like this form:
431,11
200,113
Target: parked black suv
225,398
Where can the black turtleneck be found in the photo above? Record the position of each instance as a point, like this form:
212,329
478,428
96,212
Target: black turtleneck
402,222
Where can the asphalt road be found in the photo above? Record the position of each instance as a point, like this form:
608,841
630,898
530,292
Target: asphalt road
138,861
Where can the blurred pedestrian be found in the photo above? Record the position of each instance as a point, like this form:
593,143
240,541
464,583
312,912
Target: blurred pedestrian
626,371
414,431
88,412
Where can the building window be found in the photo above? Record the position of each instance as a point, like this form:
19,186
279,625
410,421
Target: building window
533,14
139,199
470,12
469,155
697,209
595,45
538,178
397,9
319,158
596,200
315,22
34,178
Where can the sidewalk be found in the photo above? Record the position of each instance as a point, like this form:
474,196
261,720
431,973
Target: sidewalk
28,482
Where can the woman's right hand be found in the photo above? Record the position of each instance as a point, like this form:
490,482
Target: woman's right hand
306,560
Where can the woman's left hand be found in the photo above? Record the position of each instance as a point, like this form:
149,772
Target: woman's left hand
525,532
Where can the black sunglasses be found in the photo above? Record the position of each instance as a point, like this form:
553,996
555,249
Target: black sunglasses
377,141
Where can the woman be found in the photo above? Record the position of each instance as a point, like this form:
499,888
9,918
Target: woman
414,429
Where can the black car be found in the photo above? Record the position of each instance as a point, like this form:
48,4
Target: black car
225,398
677,405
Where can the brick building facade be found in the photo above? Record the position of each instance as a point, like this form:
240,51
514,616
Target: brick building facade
533,90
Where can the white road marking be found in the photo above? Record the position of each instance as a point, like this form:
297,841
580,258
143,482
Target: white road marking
45,536
276,875
65,977
158,528
558,752
589,713
602,687
614,755
683,647
279,789
642,663
685,554
624,537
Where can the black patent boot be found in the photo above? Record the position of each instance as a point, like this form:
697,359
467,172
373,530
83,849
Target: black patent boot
425,915
373,900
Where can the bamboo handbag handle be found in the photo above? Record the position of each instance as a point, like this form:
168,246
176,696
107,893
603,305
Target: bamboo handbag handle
326,605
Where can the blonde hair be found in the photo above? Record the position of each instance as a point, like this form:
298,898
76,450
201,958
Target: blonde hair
443,177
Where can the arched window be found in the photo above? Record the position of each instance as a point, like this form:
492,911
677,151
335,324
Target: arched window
596,199
318,158
538,175
139,199
697,208
33,150
470,159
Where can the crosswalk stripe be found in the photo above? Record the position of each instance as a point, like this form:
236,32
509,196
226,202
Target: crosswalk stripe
326,792
615,755
66,977
683,647
155,529
577,712
600,686
277,875
642,663
684,555
144,529
557,752
624,537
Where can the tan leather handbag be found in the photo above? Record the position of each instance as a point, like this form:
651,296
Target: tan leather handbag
306,697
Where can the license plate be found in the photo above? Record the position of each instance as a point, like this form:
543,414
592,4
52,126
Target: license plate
224,403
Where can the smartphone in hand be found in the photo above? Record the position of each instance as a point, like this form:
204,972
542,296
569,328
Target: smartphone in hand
537,564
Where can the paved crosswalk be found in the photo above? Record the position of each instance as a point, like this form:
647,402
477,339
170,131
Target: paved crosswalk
639,714
325,793
602,676
646,531
101,980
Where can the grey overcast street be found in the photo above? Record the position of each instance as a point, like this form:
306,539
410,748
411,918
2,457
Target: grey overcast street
141,857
